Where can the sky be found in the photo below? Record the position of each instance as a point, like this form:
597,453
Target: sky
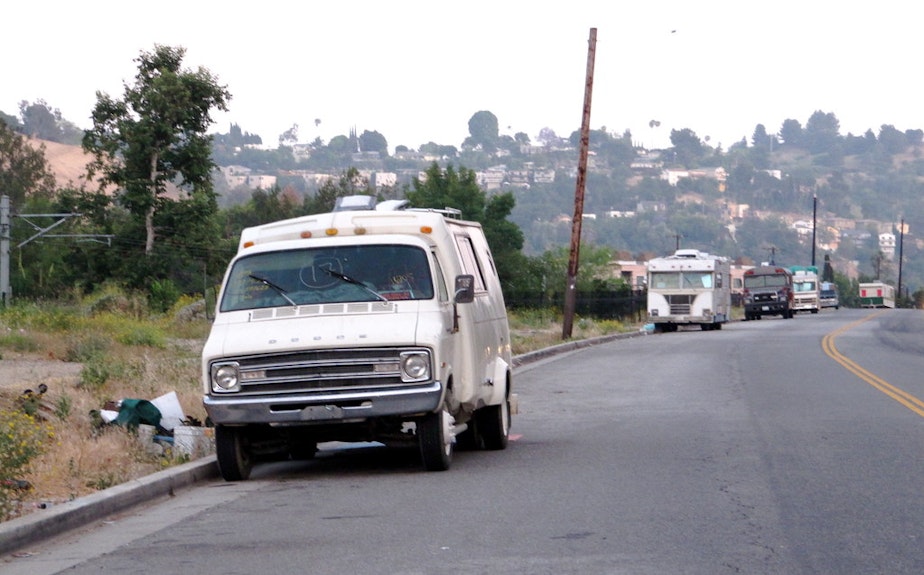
417,71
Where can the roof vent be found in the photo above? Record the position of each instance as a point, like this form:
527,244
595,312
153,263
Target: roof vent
392,205
350,203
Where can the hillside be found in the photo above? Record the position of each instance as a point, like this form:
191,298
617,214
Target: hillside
67,163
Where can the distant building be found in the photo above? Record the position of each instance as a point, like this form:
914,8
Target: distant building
887,244
237,176
491,178
648,206
619,214
383,179
634,273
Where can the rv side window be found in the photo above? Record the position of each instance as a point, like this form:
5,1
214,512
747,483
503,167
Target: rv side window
697,280
470,263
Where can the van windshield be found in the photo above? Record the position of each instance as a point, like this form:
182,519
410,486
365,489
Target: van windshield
328,275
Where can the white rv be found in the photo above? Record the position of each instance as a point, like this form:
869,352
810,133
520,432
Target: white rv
689,287
375,324
806,289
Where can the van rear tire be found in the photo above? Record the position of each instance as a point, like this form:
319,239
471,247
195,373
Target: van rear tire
434,436
494,425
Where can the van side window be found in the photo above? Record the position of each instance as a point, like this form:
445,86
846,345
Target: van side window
470,262
441,289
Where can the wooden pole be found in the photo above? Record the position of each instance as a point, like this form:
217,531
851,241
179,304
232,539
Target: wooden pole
571,283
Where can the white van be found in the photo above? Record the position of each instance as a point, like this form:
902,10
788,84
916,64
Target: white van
385,324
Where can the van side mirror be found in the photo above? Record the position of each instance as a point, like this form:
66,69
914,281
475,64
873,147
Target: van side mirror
465,289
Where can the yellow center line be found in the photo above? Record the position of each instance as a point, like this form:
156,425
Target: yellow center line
903,397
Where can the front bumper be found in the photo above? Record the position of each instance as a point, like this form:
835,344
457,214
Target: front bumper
324,408
769,307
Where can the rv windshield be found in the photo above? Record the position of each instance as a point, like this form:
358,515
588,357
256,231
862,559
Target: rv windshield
328,275
677,280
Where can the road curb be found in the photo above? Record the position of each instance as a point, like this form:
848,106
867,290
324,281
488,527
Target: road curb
534,356
42,525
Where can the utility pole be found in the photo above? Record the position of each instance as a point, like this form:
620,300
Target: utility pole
40,231
772,250
814,223
5,250
901,241
571,283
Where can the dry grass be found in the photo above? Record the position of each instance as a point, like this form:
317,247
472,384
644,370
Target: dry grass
537,329
121,356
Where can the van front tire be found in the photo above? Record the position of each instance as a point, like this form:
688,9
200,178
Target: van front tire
233,452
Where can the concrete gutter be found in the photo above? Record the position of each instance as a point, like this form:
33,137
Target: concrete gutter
41,525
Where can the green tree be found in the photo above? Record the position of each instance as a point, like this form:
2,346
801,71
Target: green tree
892,140
688,148
594,269
39,120
156,135
24,171
459,189
11,122
822,132
350,183
791,132
827,274
373,142
484,130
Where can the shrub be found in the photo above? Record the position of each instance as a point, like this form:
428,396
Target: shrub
18,341
22,439
148,335
162,294
87,347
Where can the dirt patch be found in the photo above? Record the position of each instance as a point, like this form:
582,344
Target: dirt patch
20,374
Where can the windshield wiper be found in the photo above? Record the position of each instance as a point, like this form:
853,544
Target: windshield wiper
275,287
355,282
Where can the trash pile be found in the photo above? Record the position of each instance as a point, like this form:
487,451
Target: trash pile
161,425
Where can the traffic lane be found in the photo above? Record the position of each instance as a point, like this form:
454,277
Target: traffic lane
677,468
887,341
844,458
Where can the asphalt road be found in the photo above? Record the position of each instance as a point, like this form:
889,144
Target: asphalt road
771,446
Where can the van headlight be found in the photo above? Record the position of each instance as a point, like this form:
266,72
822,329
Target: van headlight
226,377
415,366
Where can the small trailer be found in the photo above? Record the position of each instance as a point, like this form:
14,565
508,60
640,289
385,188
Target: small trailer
877,294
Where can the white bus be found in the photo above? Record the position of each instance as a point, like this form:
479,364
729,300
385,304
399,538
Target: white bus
689,287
